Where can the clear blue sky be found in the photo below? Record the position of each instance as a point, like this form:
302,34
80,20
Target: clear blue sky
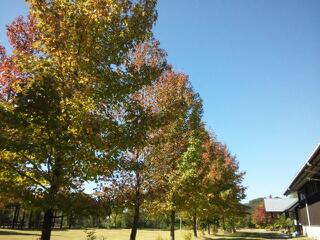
256,65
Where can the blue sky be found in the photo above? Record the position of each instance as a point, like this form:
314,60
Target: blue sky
256,65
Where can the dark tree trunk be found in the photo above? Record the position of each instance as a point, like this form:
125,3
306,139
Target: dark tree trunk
70,224
136,210
135,222
93,221
172,223
30,220
37,219
70,221
49,213
15,216
208,228
98,222
23,219
216,225
61,223
223,224
194,224
47,224
54,218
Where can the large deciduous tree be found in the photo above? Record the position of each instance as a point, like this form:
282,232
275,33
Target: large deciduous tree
131,183
66,92
223,184
216,189
172,148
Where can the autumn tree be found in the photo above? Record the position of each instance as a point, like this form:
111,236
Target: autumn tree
87,95
231,191
259,216
221,184
170,143
65,93
131,183
189,181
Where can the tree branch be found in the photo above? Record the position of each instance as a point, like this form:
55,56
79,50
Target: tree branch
24,174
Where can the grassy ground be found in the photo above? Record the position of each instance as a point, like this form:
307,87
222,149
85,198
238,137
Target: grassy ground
108,234
253,234
6,234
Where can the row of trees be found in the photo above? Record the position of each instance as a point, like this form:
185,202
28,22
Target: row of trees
88,96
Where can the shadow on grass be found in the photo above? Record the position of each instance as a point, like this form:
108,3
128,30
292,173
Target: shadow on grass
250,235
4,232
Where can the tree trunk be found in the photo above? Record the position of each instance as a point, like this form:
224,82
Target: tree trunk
47,224
216,225
208,228
93,223
61,223
15,216
136,209
232,225
54,218
70,220
37,219
172,223
48,219
223,224
30,220
135,222
23,219
194,224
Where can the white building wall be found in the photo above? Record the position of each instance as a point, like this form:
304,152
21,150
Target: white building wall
312,231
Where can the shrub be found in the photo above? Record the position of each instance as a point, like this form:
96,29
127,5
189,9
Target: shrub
188,236
90,235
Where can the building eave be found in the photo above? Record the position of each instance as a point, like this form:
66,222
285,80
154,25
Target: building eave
307,170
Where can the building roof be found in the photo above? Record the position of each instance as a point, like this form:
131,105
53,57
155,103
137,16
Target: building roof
308,170
279,204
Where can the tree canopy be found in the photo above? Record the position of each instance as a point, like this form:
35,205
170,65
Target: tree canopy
87,95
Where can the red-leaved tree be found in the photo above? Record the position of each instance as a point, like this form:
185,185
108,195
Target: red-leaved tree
259,216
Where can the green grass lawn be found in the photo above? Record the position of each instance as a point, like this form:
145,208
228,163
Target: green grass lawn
123,234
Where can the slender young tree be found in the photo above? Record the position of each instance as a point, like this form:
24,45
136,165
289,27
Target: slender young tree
189,182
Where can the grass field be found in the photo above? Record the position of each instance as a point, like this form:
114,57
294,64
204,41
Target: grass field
123,234
118,234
